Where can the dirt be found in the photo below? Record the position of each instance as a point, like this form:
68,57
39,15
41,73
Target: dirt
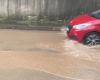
25,54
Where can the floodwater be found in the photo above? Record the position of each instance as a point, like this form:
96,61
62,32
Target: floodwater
46,55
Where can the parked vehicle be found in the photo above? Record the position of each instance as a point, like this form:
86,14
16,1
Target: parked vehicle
85,28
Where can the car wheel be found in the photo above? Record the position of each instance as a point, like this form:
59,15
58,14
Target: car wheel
92,39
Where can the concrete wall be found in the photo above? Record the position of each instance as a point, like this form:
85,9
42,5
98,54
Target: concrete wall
51,8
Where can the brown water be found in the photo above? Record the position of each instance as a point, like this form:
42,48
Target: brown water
47,55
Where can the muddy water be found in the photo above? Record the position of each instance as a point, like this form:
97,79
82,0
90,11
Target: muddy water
31,52
16,40
78,50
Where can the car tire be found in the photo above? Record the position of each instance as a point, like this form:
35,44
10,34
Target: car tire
92,39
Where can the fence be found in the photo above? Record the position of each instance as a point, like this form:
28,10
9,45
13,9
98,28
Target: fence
51,8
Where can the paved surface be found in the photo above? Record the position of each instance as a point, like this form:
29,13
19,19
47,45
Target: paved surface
46,55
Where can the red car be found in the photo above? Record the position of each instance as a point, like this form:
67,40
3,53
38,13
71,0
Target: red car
85,28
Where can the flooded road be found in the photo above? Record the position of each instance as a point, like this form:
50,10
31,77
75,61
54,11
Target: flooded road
17,40
46,55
